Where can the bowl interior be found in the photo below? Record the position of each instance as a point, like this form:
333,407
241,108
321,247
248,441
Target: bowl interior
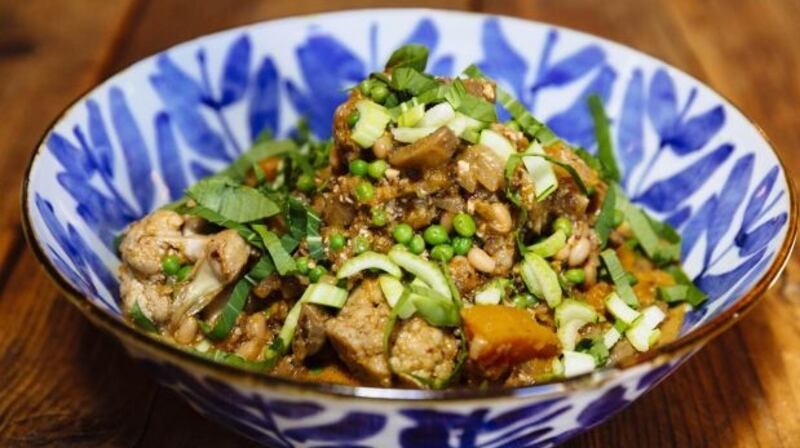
136,141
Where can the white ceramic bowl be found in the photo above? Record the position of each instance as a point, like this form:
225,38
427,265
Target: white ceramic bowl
135,141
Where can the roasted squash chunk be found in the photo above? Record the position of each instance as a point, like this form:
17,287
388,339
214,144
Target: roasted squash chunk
502,336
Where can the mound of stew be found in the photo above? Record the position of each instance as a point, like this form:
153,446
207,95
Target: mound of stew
428,244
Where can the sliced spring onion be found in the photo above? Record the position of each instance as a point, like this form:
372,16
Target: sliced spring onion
368,260
437,116
619,277
605,150
619,309
427,271
577,363
410,135
642,334
284,262
497,144
465,127
540,279
411,112
393,290
611,337
571,316
550,245
435,308
371,124
493,292
605,220
595,347
540,171
141,320
317,293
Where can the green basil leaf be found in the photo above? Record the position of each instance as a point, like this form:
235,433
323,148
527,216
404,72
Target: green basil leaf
233,201
407,79
605,150
141,320
284,262
477,108
619,277
410,55
605,221
216,218
261,150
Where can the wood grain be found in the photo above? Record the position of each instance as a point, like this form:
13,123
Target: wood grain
65,383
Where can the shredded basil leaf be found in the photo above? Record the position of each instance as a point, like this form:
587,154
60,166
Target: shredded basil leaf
141,320
694,296
605,151
261,150
605,221
215,218
231,200
619,277
589,159
284,262
410,55
477,108
407,79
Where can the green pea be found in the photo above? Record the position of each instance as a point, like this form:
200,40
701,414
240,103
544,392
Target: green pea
435,234
564,224
462,245
377,168
365,86
403,233
379,217
575,276
416,245
464,224
316,273
618,218
365,191
442,252
184,272
524,300
379,92
170,265
360,245
305,183
353,117
358,167
302,265
337,241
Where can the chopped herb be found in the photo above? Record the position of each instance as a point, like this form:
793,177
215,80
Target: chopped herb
605,221
231,200
619,277
605,151
410,55
141,320
284,262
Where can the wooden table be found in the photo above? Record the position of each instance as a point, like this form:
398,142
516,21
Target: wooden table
63,382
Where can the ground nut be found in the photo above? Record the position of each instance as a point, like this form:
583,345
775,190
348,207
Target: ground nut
250,349
591,271
383,145
186,331
501,221
480,260
256,326
579,252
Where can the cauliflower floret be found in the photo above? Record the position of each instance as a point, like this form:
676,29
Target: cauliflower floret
226,256
151,238
153,297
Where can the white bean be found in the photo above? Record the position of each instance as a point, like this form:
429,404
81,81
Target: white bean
579,252
562,254
382,146
480,260
186,331
250,349
257,326
502,222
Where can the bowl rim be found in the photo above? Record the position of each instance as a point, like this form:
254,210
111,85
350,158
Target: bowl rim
696,338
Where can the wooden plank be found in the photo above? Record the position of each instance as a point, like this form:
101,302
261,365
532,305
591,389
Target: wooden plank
739,391
64,382
49,54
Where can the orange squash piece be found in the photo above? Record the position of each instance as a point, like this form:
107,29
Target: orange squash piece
501,336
